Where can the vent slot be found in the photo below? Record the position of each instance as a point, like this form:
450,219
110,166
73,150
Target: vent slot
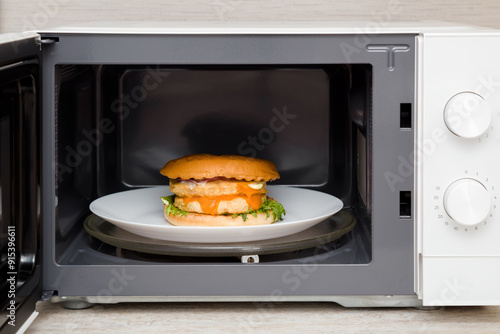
405,116
405,204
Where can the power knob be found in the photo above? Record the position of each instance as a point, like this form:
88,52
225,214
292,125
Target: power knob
467,115
467,202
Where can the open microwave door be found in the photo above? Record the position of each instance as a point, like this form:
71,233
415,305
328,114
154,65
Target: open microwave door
20,264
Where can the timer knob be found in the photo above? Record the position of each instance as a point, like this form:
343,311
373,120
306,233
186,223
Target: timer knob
467,202
467,115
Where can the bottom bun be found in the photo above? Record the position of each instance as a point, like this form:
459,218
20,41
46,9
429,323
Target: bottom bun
200,219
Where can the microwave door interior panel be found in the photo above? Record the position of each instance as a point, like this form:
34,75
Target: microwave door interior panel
20,210
401,125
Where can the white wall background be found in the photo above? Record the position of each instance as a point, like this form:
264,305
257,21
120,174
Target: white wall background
21,15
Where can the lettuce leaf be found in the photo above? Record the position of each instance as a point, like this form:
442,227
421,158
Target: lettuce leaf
170,208
269,207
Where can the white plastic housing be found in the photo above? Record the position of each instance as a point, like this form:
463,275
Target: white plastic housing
458,222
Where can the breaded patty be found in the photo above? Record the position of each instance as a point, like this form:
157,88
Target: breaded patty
216,188
220,204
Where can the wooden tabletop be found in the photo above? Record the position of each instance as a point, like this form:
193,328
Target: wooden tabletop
261,318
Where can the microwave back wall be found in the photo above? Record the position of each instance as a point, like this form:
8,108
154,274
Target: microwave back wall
401,124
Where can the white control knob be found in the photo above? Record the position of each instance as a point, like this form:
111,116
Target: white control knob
467,202
467,115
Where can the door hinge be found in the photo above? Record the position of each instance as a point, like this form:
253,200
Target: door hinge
46,41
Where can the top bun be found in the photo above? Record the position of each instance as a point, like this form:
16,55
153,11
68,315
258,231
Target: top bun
207,166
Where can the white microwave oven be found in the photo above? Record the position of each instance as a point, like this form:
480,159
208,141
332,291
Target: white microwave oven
401,122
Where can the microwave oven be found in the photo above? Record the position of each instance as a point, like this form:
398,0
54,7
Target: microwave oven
399,121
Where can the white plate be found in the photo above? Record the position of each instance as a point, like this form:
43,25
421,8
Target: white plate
141,212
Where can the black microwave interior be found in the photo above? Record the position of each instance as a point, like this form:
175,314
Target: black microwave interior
117,125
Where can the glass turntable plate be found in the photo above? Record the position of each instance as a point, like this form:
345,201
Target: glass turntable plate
324,232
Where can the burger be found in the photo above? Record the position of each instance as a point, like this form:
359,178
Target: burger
220,190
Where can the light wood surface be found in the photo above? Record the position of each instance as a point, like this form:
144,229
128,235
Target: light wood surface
261,318
17,16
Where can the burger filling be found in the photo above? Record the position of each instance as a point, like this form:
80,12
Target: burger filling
214,205
221,196
217,187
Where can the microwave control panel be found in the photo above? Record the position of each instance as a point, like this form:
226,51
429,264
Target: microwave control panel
458,169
